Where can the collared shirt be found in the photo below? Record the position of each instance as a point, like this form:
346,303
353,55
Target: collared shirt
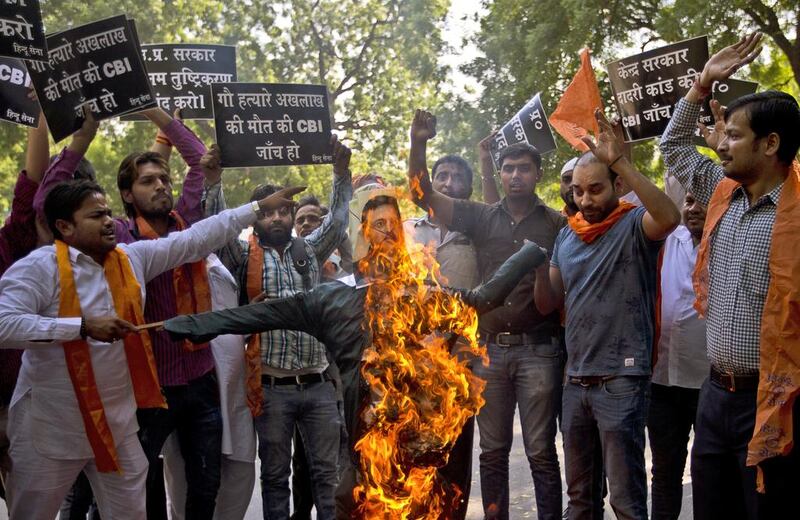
17,239
29,303
458,262
496,237
738,263
176,366
682,359
289,352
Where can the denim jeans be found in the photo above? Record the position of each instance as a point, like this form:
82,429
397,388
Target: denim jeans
312,408
613,413
528,375
194,412
671,417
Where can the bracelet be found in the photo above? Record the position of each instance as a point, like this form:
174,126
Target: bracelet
161,139
703,91
83,333
255,206
615,160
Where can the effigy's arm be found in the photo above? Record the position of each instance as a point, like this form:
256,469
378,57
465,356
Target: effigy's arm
491,294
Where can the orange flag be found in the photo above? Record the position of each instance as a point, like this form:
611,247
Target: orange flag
574,115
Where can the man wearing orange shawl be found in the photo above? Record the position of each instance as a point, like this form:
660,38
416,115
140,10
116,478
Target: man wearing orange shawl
603,272
746,281
75,308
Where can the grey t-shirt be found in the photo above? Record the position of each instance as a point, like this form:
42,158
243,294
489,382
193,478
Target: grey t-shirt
610,298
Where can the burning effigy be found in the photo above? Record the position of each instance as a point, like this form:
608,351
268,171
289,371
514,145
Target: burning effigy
421,392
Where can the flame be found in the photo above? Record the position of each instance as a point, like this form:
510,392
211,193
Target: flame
420,393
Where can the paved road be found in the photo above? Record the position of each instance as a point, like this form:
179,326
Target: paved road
523,504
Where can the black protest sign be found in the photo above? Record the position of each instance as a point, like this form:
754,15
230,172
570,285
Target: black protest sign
21,30
272,124
530,126
647,86
725,92
181,73
97,65
15,106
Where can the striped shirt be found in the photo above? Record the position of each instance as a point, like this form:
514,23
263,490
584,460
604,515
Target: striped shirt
175,365
289,352
738,263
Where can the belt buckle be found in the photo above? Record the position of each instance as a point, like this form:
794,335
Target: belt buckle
731,382
297,380
585,384
499,342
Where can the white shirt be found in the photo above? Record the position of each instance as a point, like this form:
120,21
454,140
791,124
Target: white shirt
682,359
228,350
29,301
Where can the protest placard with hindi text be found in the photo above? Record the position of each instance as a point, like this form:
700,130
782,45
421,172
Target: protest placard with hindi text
529,125
15,106
724,92
21,30
97,65
647,86
271,124
181,73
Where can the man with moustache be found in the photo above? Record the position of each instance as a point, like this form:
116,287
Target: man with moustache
745,458
185,371
75,307
524,350
289,385
681,364
603,272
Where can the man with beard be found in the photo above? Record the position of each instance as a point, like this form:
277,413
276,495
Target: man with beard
565,188
603,271
289,385
525,361
747,288
334,313
76,307
185,371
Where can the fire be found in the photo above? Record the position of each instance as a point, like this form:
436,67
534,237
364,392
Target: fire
421,394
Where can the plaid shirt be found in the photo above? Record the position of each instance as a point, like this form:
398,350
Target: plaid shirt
739,251
290,352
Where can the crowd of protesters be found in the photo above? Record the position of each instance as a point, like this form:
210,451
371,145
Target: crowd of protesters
147,359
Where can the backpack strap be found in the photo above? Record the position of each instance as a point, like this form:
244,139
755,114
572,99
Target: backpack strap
301,262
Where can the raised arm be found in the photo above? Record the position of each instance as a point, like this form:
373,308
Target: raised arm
423,128
661,216
156,256
488,183
162,145
281,313
696,172
64,166
327,237
19,230
192,150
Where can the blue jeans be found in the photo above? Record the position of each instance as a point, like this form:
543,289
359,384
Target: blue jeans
194,413
531,376
613,412
313,410
672,412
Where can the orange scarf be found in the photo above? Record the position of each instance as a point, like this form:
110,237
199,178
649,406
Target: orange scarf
591,232
779,375
192,292
127,296
252,355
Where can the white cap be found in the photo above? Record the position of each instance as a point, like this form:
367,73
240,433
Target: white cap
569,166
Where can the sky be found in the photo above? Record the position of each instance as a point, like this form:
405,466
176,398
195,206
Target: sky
460,24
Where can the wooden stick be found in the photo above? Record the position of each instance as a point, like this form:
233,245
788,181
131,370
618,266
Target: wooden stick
157,325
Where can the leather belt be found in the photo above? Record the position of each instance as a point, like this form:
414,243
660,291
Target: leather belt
734,382
509,339
587,381
305,379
